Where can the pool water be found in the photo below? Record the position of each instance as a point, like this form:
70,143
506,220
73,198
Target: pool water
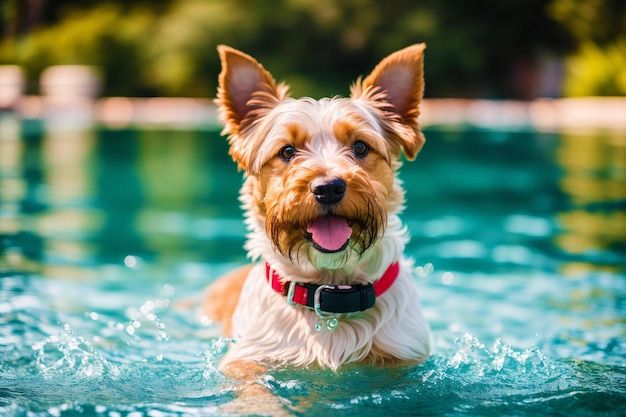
109,237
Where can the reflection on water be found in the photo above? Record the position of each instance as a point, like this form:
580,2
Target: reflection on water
104,231
594,178
75,199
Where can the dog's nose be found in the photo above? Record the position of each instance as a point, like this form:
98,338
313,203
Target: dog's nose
329,192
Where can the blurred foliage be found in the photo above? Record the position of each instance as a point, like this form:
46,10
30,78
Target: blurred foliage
167,47
598,66
595,70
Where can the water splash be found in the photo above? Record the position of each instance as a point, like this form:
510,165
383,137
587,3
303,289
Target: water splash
467,377
213,355
141,323
479,360
147,313
68,352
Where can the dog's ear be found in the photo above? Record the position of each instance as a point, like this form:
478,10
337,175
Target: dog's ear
245,89
397,85
246,92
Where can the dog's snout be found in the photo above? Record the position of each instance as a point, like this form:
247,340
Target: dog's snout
329,192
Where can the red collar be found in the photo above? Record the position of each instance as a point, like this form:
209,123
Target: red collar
334,298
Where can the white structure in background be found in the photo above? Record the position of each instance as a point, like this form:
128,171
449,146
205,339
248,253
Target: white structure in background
69,94
11,86
69,99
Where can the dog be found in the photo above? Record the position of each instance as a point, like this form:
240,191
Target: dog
322,199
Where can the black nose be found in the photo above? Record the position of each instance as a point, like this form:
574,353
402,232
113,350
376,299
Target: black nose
330,192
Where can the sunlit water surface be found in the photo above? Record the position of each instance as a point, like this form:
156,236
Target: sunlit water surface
109,238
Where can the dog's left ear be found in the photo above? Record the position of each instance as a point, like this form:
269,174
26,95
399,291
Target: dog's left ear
397,85
246,92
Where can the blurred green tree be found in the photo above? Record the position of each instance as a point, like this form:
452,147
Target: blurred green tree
496,49
598,65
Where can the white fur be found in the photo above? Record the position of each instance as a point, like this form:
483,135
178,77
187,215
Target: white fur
270,330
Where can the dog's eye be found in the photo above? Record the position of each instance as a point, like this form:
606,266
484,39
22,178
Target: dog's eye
360,149
286,153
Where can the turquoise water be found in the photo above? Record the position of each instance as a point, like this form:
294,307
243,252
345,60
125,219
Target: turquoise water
109,237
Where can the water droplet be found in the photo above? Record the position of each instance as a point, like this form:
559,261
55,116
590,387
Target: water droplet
131,261
54,411
425,270
168,289
147,307
454,327
447,278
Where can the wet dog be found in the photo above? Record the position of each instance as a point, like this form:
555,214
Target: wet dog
322,200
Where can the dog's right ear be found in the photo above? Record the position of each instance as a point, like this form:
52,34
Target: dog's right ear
246,90
397,85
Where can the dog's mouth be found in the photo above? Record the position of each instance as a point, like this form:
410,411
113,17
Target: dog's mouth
329,234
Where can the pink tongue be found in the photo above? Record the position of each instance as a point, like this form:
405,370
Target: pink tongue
330,233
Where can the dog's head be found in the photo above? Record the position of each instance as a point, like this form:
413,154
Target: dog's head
322,173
